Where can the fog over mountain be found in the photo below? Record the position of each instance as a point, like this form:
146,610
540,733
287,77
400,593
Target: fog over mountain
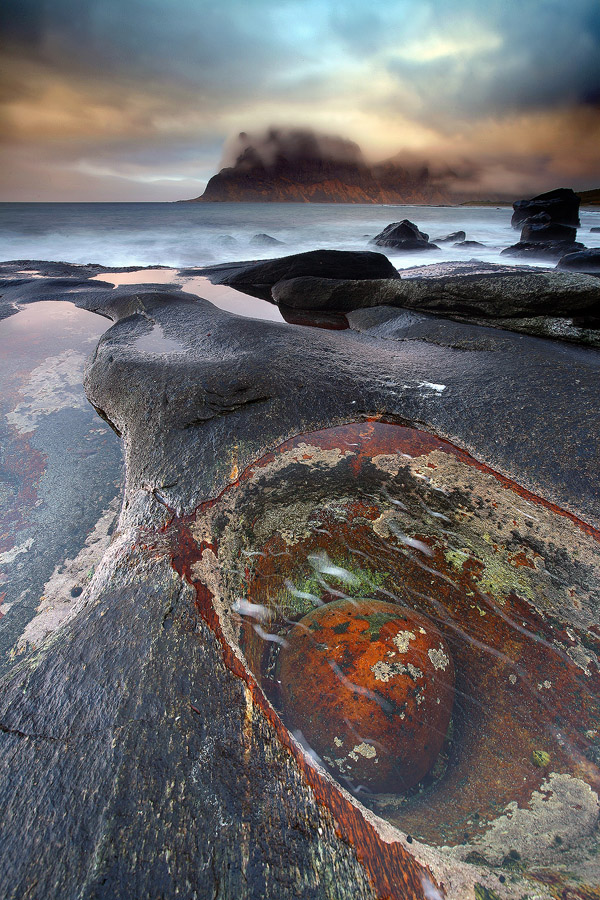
123,100
300,164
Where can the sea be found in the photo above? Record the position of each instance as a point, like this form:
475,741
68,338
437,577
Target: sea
203,234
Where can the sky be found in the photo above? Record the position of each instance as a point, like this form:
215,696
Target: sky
135,99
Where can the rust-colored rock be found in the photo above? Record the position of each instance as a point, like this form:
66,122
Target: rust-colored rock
370,685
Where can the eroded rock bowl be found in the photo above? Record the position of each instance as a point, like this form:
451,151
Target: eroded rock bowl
372,511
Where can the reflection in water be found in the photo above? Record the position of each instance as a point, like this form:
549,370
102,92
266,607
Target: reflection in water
156,341
229,299
220,295
139,276
60,466
384,516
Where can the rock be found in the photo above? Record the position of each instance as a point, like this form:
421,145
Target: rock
466,244
586,261
449,238
562,205
403,669
265,240
541,229
466,290
227,240
595,230
340,264
403,235
155,767
312,293
546,249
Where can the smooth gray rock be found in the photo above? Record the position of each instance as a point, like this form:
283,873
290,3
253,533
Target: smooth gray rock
499,293
586,261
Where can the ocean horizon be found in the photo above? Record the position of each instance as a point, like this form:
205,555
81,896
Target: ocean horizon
180,234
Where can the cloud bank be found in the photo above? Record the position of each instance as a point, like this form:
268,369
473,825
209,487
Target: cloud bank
133,99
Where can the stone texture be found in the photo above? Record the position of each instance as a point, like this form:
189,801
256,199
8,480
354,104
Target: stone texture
139,758
403,235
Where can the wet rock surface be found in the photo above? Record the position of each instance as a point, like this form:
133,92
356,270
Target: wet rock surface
585,261
399,662
530,300
335,264
403,235
144,696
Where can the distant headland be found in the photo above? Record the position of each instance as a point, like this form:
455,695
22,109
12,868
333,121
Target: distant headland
300,166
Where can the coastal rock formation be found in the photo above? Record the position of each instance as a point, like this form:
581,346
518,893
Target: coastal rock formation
541,228
451,238
141,754
265,240
561,205
514,297
549,225
403,235
359,265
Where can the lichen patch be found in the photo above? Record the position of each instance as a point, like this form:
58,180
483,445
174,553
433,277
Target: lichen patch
438,658
402,640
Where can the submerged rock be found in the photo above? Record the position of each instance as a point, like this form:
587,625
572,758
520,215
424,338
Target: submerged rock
402,667
450,238
403,235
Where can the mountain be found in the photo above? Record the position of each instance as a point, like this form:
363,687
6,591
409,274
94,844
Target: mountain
589,198
288,169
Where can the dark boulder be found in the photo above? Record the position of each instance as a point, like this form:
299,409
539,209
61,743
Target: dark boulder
403,235
562,205
311,293
265,240
546,249
595,230
585,261
541,228
449,238
466,244
361,265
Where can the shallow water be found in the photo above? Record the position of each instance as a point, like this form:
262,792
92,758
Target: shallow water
198,234
60,465
505,583
220,295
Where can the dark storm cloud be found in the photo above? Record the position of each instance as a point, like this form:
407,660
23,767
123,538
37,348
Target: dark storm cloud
120,87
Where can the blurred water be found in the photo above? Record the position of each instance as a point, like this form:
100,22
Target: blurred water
198,234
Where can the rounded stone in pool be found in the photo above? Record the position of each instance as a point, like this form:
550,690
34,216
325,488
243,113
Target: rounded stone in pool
371,686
